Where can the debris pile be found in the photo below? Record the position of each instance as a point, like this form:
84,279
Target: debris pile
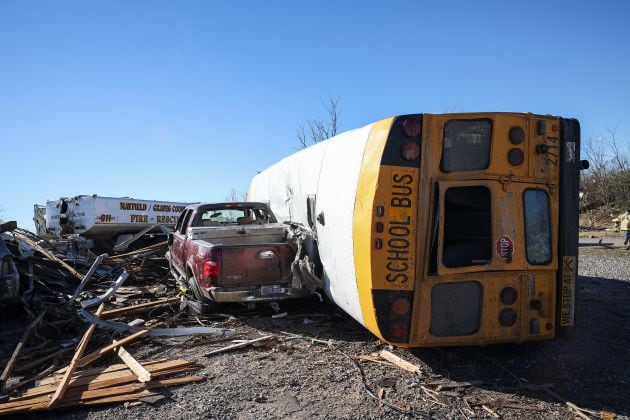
85,310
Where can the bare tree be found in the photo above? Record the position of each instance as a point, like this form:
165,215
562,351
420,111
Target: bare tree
236,196
607,181
319,129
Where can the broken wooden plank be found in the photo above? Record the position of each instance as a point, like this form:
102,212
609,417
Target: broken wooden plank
401,363
18,349
373,359
110,379
133,365
94,376
238,345
81,397
63,384
125,244
101,352
128,310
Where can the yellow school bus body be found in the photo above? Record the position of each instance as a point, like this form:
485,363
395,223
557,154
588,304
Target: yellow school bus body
398,233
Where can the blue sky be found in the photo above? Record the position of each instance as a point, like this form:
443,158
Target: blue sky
186,100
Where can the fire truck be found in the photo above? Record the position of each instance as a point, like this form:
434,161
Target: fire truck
111,223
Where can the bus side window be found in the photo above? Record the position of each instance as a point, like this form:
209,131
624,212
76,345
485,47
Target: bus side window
310,210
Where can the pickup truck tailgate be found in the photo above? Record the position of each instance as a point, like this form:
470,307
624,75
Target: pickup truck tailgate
255,265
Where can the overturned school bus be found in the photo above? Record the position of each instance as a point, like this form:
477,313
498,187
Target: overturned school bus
111,222
441,229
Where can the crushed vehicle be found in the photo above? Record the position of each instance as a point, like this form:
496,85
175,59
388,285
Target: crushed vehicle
233,252
9,276
111,223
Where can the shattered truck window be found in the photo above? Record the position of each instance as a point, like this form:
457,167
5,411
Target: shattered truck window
223,216
466,145
537,227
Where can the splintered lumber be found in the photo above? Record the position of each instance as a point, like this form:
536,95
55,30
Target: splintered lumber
63,384
129,310
133,365
373,359
238,345
103,382
401,363
99,353
130,392
91,380
51,256
6,374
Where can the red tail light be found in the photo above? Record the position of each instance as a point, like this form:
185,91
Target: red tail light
411,127
393,313
211,269
212,266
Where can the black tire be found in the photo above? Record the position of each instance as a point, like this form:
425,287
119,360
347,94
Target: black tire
192,284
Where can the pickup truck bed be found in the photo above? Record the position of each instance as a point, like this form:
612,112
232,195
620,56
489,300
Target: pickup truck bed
225,258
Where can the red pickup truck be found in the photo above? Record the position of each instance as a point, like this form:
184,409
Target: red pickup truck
232,252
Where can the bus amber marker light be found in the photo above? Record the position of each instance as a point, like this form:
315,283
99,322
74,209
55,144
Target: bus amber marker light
410,151
401,307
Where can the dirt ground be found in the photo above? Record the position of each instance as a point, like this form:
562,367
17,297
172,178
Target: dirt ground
296,378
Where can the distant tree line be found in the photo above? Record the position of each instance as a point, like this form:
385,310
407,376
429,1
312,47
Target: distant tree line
607,181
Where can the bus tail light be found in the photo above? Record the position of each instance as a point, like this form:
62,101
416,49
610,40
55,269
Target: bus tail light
411,127
549,326
507,317
517,135
516,156
508,295
393,314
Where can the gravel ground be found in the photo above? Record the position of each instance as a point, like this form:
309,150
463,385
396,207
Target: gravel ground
299,379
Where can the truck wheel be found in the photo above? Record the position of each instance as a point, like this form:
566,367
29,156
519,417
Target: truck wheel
192,284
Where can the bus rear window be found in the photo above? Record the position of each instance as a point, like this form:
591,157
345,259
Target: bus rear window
466,145
467,227
537,227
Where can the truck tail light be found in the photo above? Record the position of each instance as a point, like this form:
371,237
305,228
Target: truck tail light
212,266
211,269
